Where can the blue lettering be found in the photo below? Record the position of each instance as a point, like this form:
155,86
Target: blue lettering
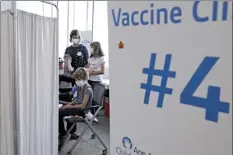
159,15
215,11
176,12
142,17
116,21
133,18
195,13
164,16
224,10
152,14
125,19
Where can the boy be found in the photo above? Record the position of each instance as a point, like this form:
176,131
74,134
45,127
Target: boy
84,99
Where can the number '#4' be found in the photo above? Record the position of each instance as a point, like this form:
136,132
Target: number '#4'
212,103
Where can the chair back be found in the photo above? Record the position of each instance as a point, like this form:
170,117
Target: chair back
98,93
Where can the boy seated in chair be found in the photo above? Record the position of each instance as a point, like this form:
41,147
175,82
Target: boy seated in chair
83,100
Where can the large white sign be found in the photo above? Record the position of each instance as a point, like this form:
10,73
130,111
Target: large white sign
171,77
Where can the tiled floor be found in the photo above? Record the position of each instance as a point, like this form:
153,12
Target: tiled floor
88,146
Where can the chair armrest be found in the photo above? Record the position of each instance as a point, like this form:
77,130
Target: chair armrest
92,107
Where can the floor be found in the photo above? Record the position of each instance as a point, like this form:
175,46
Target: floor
88,146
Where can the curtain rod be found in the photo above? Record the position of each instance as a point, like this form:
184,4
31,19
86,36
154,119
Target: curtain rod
56,6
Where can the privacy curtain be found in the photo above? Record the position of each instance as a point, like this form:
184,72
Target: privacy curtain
36,84
7,96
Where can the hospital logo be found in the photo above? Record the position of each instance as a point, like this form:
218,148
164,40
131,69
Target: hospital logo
128,148
127,143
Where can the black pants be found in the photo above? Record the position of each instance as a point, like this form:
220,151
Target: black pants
62,114
92,83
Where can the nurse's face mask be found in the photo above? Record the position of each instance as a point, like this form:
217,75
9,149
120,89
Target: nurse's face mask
76,40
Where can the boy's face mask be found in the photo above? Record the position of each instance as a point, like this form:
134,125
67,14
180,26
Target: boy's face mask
80,83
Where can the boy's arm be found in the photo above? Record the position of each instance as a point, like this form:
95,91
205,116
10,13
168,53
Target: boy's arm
84,102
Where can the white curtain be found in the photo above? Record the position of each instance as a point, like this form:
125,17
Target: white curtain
36,84
7,97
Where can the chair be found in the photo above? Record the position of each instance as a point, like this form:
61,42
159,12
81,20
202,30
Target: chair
98,96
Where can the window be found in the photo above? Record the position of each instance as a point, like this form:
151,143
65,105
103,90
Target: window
73,15
100,27
63,36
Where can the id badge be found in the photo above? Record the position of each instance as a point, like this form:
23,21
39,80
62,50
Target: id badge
79,53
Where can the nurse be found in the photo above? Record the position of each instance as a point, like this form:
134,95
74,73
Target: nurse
77,51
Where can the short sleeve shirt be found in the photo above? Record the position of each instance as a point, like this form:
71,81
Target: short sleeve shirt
85,90
79,56
95,65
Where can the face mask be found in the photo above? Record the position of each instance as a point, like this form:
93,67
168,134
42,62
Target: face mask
80,83
75,41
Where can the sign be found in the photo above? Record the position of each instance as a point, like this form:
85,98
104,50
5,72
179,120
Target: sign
87,39
171,84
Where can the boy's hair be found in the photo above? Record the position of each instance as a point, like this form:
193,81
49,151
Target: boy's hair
80,74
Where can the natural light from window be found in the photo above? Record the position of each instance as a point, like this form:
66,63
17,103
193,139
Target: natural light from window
78,17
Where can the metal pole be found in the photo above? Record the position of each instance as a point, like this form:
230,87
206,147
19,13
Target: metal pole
68,19
56,6
74,14
14,78
87,6
92,23
0,64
